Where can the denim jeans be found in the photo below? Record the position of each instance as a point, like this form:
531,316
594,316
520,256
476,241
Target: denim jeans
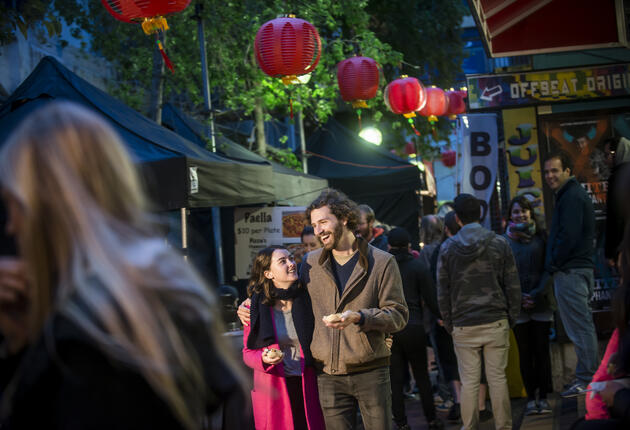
574,289
340,395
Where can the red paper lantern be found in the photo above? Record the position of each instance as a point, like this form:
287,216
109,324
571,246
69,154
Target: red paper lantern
138,10
456,104
449,158
436,105
405,96
358,80
287,48
150,13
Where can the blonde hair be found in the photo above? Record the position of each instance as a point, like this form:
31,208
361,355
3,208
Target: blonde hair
91,256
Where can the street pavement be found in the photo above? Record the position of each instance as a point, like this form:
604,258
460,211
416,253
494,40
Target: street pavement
565,413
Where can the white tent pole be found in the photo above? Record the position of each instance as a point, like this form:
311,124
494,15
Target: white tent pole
184,233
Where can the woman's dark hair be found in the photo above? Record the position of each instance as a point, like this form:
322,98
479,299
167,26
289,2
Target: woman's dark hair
340,206
525,203
307,231
258,282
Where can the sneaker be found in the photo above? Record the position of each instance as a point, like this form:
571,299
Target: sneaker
531,408
436,425
444,407
485,415
454,415
574,390
544,407
403,427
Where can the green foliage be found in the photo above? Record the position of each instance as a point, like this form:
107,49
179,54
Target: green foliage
24,15
286,157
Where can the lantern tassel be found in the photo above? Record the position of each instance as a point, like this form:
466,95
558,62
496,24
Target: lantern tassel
359,116
167,61
413,126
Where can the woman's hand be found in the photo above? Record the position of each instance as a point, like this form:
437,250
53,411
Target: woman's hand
243,311
527,301
272,356
14,303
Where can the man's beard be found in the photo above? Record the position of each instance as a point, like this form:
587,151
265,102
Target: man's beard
337,235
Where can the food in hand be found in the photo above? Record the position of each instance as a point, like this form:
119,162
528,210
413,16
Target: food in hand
334,318
273,353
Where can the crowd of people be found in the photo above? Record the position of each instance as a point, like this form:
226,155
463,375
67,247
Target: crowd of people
104,326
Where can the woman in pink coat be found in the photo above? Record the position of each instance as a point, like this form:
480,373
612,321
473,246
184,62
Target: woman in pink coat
277,345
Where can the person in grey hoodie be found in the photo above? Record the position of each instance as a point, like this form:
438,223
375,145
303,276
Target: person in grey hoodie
479,296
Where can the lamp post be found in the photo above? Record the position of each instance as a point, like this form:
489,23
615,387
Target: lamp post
216,213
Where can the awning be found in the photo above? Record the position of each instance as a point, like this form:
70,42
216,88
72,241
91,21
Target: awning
522,27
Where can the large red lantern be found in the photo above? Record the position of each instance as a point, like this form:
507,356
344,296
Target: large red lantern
287,48
143,10
149,13
405,96
456,104
358,80
436,105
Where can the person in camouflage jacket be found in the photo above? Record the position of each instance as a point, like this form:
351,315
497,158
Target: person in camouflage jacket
479,296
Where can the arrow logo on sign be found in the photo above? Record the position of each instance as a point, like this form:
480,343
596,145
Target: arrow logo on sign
489,93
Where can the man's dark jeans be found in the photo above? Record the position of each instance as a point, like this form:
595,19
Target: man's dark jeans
370,391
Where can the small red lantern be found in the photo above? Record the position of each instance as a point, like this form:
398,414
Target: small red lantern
150,13
456,104
405,96
449,158
287,48
436,105
358,80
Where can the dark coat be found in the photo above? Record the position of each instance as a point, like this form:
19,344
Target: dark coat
572,233
65,381
417,285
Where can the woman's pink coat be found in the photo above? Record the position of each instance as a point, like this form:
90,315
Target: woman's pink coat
270,398
596,409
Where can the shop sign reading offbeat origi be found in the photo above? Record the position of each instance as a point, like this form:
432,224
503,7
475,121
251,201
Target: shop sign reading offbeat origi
519,89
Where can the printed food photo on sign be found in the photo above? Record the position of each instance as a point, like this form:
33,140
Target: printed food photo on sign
293,223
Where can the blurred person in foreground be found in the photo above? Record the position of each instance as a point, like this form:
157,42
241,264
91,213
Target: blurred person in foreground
105,327
479,296
410,344
277,345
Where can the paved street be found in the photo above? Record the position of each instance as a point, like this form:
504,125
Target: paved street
565,413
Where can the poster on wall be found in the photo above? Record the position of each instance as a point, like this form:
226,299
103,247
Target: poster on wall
479,159
257,228
584,141
523,156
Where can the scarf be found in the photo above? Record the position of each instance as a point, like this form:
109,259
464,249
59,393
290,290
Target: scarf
263,333
522,232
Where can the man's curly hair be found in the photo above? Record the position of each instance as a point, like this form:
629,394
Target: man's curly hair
340,206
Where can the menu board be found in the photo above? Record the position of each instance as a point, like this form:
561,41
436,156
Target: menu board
257,228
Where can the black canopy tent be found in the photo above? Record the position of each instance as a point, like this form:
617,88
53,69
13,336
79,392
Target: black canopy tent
290,187
367,174
165,158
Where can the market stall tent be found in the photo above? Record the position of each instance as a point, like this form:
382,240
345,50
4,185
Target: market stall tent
367,174
178,173
290,187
